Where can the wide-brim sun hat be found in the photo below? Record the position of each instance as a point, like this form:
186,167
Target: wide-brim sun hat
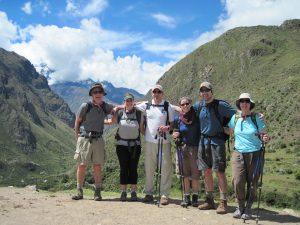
97,85
245,96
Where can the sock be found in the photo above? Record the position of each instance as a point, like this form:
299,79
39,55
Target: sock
79,186
223,196
210,194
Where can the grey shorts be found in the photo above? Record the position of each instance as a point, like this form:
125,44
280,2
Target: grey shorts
90,152
212,157
190,155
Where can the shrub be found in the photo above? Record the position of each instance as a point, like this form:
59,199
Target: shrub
297,176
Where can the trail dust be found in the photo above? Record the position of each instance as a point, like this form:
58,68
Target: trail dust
22,206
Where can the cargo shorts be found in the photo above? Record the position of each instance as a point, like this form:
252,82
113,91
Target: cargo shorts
190,155
90,152
212,157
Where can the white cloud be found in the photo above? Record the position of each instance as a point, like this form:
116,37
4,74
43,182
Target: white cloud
86,52
27,8
168,48
127,71
83,9
164,20
70,7
251,13
8,31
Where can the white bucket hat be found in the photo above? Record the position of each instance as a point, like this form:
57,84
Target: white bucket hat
245,96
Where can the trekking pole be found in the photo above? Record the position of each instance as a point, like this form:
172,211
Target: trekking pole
261,180
159,166
184,204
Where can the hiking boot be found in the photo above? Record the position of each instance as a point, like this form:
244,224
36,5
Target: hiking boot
222,208
97,195
133,197
187,200
195,200
123,197
148,198
208,204
247,215
164,200
238,213
79,194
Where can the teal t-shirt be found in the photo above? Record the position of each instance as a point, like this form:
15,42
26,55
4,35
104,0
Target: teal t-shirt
246,137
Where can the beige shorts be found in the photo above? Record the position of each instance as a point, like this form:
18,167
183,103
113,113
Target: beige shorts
90,153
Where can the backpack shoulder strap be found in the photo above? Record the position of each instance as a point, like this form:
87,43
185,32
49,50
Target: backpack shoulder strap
88,109
236,117
138,115
216,110
166,108
198,108
120,115
103,106
253,118
148,105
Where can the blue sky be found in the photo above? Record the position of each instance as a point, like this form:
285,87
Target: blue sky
129,43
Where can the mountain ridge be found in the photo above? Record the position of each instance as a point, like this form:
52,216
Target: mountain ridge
35,122
76,93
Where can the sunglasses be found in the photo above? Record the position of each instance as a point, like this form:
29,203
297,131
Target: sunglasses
97,92
129,100
156,92
185,104
205,90
245,100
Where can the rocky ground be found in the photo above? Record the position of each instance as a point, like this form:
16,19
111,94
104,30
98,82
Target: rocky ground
22,206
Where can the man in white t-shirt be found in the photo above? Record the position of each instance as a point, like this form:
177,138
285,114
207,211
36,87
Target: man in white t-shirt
156,120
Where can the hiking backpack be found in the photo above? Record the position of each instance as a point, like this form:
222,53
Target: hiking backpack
215,106
90,106
253,119
165,108
125,134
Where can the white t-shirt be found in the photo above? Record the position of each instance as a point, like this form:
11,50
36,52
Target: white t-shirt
156,116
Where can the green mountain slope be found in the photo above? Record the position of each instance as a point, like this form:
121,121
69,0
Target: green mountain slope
36,138
264,61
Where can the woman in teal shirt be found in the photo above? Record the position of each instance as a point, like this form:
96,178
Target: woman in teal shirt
249,133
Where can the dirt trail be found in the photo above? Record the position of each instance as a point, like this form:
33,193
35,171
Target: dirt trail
22,206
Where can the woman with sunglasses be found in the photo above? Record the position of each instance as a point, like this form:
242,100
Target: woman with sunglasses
186,133
128,146
249,135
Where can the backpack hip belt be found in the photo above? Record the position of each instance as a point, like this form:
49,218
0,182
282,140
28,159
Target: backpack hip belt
91,135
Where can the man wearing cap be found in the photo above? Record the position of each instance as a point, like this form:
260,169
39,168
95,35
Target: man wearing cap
211,152
89,126
159,118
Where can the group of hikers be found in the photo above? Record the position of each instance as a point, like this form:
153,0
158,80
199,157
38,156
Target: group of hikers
199,131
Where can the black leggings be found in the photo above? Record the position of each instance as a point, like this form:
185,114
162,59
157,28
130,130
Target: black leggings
128,161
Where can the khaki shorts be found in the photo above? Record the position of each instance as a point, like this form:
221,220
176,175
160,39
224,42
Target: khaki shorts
90,153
